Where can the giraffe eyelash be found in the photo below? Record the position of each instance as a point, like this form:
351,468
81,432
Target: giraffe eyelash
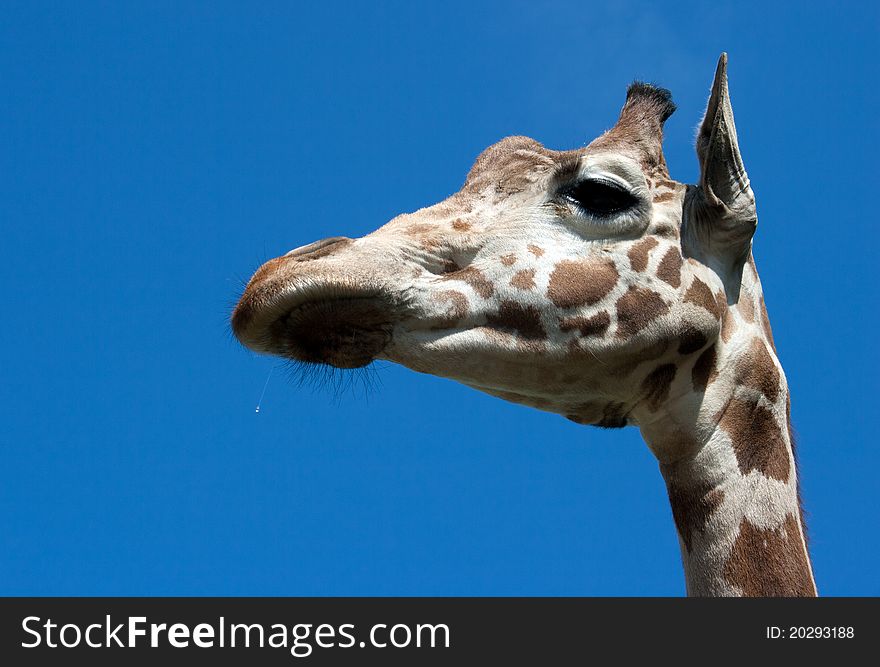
600,198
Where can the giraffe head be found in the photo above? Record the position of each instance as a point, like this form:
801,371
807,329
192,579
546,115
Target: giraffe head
578,282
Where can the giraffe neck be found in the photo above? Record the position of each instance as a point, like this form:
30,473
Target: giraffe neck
726,453
740,534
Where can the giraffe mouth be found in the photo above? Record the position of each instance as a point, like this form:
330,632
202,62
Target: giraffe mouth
342,332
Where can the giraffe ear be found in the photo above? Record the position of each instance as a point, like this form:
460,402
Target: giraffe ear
726,205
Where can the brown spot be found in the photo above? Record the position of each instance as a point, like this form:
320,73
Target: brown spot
669,270
638,308
667,184
513,316
457,307
692,506
666,196
508,260
588,326
418,229
728,324
535,250
691,340
757,370
657,383
524,280
581,282
700,294
460,225
638,253
473,277
765,323
746,306
757,439
703,371
769,563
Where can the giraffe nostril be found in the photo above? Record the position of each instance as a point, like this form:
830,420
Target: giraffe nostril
319,249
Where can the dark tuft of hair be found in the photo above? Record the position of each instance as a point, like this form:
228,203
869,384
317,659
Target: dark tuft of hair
659,100
359,382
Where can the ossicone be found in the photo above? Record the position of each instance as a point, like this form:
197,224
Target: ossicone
639,128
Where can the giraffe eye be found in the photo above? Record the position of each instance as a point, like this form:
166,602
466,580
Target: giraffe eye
600,198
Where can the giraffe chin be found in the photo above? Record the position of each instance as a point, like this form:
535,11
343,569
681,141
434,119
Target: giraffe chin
341,332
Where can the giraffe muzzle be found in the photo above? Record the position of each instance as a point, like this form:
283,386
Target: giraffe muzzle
313,321
316,304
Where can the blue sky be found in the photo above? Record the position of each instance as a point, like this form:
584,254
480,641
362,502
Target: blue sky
154,154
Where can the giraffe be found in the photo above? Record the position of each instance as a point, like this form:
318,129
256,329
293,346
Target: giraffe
590,284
